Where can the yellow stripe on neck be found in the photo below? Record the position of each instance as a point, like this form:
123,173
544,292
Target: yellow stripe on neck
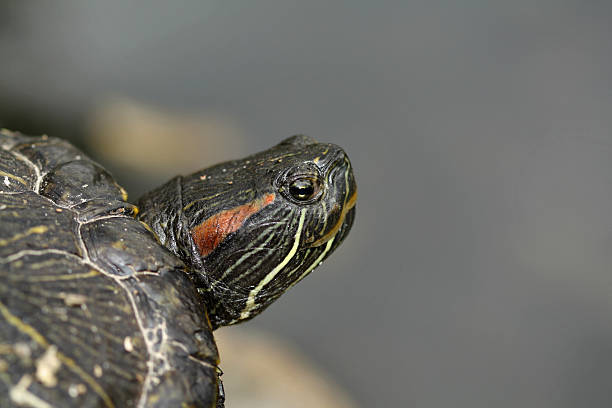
250,303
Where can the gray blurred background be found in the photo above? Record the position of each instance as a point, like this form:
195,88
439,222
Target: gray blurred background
478,273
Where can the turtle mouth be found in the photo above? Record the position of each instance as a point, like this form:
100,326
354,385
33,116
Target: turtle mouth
343,220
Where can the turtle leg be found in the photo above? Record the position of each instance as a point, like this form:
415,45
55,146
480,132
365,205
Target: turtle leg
220,390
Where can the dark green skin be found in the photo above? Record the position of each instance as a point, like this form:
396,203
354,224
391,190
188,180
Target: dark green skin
103,305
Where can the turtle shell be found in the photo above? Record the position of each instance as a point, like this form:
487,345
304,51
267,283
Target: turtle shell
93,310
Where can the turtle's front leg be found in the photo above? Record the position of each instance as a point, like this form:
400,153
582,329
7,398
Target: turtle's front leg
220,391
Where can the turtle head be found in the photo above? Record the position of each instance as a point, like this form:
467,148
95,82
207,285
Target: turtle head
250,229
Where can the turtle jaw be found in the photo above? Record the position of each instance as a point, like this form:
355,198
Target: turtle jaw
343,221
344,229
238,303
300,265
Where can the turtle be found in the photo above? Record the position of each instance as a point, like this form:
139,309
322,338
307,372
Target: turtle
107,303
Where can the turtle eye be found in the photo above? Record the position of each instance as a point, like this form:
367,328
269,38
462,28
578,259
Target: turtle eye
304,189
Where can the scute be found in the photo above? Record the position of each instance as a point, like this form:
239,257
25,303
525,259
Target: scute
77,181
93,311
30,222
15,175
46,152
125,247
51,300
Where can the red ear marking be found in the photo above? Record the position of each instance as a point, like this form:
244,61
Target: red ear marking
209,234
